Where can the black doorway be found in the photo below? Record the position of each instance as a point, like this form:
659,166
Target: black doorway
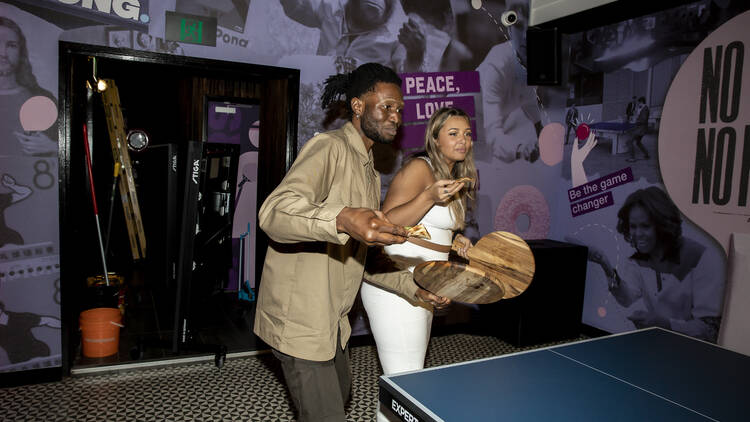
163,95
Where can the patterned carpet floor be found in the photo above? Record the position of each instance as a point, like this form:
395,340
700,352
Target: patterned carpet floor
244,389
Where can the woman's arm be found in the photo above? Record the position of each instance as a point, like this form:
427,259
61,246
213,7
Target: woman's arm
413,191
622,285
707,292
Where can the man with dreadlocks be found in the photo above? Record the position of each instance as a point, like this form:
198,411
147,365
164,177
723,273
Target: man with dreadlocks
321,219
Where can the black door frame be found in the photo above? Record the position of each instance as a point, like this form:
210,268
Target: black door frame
276,155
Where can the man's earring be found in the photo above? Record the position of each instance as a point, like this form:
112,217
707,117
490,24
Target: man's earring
358,115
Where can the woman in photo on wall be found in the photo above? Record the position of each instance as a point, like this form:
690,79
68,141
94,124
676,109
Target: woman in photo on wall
673,275
424,190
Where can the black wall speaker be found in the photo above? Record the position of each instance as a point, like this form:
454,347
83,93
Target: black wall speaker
543,53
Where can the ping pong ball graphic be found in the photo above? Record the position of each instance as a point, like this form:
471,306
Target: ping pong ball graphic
601,311
38,113
582,131
551,143
476,4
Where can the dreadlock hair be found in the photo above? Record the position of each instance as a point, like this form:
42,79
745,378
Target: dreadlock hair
355,83
466,168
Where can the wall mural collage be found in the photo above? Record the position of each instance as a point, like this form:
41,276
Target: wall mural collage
654,192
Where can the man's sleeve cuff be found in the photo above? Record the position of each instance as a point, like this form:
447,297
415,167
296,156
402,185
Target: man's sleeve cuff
413,287
410,286
326,217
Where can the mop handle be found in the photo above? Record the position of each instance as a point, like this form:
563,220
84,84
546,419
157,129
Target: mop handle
93,198
88,167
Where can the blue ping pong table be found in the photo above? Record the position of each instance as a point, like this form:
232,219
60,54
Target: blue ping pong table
646,375
617,131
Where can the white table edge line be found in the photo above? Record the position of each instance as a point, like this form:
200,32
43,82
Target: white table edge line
522,352
413,400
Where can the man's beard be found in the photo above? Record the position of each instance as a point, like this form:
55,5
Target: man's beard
370,129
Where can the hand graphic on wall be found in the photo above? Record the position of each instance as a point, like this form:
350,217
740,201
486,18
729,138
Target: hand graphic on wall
36,143
577,157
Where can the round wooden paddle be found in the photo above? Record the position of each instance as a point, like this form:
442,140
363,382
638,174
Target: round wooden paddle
505,258
501,266
458,282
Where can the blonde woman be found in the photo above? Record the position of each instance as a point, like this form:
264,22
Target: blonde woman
425,190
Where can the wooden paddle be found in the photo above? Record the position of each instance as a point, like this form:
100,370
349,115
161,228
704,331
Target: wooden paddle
504,257
458,282
501,266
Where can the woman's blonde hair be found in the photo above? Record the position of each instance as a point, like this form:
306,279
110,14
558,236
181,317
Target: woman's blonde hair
466,168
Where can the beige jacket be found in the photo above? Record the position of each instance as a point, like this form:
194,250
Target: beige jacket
311,274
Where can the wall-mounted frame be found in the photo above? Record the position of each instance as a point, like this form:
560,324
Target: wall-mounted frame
119,38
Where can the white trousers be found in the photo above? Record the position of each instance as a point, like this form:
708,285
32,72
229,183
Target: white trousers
401,330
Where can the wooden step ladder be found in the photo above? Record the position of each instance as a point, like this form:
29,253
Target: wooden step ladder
128,194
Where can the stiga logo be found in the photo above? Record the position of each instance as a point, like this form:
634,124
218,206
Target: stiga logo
136,10
196,170
401,411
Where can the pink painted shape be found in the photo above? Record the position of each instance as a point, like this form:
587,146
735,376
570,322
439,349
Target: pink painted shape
38,113
551,141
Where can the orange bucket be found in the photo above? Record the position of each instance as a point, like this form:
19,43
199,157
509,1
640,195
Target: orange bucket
100,331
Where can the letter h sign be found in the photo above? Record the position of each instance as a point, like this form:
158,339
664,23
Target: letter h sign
191,30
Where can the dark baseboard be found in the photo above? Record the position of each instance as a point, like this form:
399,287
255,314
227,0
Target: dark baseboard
33,376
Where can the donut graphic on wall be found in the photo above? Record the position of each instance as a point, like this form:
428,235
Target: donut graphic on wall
523,211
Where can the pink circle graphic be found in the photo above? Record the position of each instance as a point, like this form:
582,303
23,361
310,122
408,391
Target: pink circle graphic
38,113
601,311
551,143
523,200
